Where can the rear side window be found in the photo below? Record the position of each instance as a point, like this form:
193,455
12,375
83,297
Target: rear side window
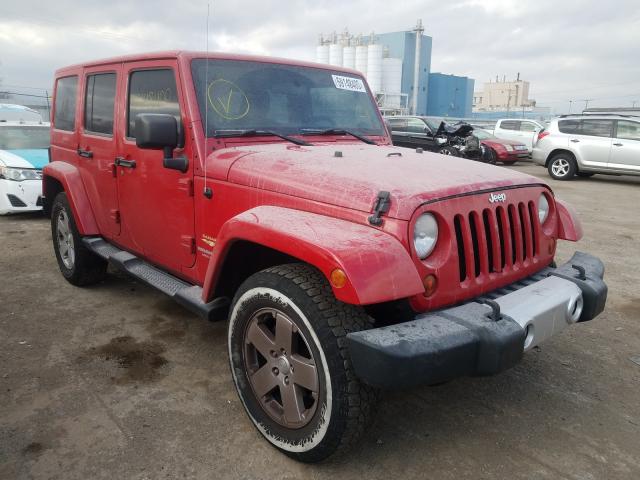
528,127
628,130
597,128
398,124
569,126
151,91
64,117
99,102
510,125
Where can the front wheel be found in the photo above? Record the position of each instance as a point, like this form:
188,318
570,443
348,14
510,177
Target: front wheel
562,167
290,364
448,151
77,264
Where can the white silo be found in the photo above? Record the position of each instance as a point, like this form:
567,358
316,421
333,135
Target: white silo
361,59
322,54
335,54
349,57
392,81
374,67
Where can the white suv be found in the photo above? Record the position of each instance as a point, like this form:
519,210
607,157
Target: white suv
589,144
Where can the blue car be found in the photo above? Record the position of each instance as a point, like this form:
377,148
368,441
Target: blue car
23,152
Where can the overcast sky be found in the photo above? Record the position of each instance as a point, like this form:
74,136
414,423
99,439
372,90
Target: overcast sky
566,49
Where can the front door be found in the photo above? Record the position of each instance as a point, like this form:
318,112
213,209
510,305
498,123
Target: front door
156,203
625,151
97,146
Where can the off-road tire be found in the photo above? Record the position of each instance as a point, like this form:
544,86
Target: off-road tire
87,268
346,405
562,166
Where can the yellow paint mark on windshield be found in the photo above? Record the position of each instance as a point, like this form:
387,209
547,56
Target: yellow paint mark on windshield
227,99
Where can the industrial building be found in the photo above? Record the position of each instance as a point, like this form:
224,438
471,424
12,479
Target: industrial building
503,96
397,66
449,96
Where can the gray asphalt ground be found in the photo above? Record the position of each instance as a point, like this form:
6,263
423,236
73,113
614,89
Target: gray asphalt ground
117,382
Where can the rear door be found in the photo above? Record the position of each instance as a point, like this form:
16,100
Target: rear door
625,149
592,142
399,134
97,146
156,203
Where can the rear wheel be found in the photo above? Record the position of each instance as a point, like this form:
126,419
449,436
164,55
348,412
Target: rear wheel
562,166
78,264
289,360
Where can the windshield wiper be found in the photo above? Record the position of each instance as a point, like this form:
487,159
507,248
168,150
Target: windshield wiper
335,131
255,133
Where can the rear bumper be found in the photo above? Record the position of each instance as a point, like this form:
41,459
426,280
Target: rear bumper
484,336
539,156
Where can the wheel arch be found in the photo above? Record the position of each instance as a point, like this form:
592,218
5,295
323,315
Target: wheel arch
61,176
378,268
557,151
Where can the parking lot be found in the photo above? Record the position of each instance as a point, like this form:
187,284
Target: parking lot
117,381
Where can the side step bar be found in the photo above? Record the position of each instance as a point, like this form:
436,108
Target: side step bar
187,295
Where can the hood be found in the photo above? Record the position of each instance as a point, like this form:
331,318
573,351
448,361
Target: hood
36,157
354,179
16,159
460,129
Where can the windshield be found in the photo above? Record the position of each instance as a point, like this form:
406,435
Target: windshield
23,137
244,95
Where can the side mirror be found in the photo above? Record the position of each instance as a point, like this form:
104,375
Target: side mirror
160,131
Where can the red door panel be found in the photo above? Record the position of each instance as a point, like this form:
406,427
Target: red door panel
97,145
156,203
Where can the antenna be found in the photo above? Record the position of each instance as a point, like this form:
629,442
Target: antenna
206,190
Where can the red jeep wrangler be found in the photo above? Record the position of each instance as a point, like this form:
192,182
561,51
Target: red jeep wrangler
267,192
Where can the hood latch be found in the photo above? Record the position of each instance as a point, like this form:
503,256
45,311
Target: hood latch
381,206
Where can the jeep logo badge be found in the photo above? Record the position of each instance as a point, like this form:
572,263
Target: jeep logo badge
497,197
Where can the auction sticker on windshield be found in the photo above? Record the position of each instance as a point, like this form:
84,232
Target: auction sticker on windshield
349,83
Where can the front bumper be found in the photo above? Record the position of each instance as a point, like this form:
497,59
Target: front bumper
484,336
25,196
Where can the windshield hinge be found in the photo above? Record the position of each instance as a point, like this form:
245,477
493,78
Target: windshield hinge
381,206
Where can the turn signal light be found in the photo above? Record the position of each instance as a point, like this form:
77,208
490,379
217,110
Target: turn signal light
430,283
338,278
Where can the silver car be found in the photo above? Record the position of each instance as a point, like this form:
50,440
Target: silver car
587,144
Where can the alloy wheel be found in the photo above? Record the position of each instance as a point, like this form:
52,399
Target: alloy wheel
560,167
64,238
281,368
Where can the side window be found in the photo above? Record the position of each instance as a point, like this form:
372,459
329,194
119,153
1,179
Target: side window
99,102
528,127
398,124
151,91
597,128
510,125
628,130
64,117
415,125
569,126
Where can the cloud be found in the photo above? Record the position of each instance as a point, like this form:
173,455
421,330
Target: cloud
568,50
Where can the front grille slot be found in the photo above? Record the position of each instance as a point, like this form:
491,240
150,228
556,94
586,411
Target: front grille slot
496,239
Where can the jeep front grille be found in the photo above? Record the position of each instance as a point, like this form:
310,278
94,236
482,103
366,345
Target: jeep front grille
495,239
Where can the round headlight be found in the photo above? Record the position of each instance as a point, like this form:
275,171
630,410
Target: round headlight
543,208
425,235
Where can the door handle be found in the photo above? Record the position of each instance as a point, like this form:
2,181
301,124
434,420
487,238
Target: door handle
121,162
618,144
575,140
85,153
